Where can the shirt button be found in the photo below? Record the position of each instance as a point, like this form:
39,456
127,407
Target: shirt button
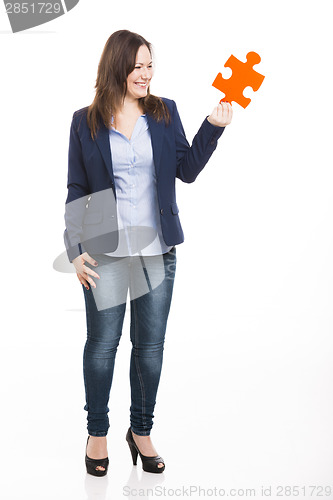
161,211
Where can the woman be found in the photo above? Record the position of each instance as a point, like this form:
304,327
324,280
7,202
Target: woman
126,150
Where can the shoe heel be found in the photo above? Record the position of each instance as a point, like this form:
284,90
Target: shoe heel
149,464
134,453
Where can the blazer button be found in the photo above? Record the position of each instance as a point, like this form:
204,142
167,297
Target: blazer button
161,211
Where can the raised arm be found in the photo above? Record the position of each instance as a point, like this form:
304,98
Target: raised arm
192,159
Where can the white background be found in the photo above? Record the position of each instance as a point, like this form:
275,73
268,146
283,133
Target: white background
245,398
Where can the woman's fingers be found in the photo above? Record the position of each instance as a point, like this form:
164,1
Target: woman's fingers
225,109
85,273
89,259
82,280
221,114
88,270
86,280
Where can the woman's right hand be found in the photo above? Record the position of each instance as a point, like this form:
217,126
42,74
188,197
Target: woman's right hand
84,272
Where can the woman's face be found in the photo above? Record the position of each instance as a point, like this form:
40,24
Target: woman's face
138,81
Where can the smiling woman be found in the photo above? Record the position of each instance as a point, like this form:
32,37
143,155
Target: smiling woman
124,72
139,80
126,151
137,86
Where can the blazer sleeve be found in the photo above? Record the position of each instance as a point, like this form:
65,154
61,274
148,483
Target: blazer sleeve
78,192
192,159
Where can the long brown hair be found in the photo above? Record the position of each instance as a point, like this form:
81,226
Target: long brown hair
116,63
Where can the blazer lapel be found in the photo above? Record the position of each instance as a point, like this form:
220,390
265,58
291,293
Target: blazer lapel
157,130
103,143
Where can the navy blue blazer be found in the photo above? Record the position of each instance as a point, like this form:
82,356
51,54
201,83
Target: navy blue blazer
90,175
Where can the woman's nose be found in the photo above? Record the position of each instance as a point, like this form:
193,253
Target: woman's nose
144,73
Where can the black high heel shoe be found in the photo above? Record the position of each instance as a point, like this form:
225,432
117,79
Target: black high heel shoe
149,464
92,463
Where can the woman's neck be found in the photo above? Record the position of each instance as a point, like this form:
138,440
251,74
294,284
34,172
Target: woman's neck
125,118
130,107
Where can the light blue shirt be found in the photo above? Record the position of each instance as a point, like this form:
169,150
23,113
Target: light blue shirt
135,181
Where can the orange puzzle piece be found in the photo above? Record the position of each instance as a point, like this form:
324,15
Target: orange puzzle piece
243,75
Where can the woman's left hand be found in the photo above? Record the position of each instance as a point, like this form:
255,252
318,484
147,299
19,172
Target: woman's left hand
221,115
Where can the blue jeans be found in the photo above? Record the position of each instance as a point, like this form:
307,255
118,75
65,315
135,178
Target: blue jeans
150,283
